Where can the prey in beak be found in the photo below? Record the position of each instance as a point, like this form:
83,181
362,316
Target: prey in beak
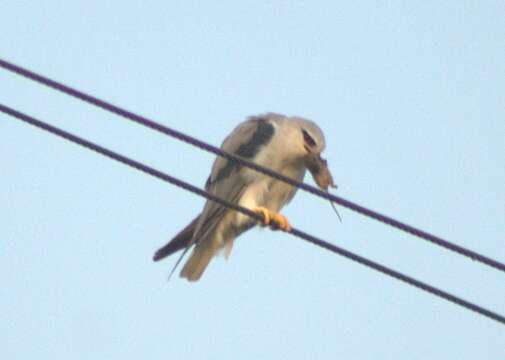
318,167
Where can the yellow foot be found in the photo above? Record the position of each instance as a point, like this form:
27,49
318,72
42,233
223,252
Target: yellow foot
275,220
281,222
263,211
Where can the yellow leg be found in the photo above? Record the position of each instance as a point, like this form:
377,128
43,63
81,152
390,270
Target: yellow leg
275,220
280,221
263,211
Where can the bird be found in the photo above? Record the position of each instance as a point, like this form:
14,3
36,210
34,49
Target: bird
289,145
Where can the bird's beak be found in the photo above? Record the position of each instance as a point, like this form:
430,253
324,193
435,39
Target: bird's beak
318,167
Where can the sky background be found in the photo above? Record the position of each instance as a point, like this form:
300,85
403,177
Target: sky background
411,98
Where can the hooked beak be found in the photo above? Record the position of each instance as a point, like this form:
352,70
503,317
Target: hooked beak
318,167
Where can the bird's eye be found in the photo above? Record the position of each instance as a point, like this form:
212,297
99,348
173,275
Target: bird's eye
308,139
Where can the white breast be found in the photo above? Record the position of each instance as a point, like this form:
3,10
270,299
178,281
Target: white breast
270,193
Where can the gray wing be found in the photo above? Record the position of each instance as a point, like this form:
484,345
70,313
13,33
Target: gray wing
227,181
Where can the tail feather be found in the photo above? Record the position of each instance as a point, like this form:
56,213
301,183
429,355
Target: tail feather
197,262
179,242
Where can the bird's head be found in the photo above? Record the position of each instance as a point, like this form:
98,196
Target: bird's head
311,143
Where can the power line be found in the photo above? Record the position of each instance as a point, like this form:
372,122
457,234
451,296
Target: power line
207,147
298,233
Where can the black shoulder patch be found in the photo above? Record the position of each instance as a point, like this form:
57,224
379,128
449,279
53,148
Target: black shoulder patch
261,136
248,150
207,183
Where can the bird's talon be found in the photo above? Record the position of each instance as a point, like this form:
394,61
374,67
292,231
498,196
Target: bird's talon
265,213
281,222
275,220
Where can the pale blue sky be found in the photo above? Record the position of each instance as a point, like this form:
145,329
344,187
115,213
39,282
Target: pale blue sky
411,98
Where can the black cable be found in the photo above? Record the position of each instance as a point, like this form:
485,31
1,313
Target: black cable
207,147
333,248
